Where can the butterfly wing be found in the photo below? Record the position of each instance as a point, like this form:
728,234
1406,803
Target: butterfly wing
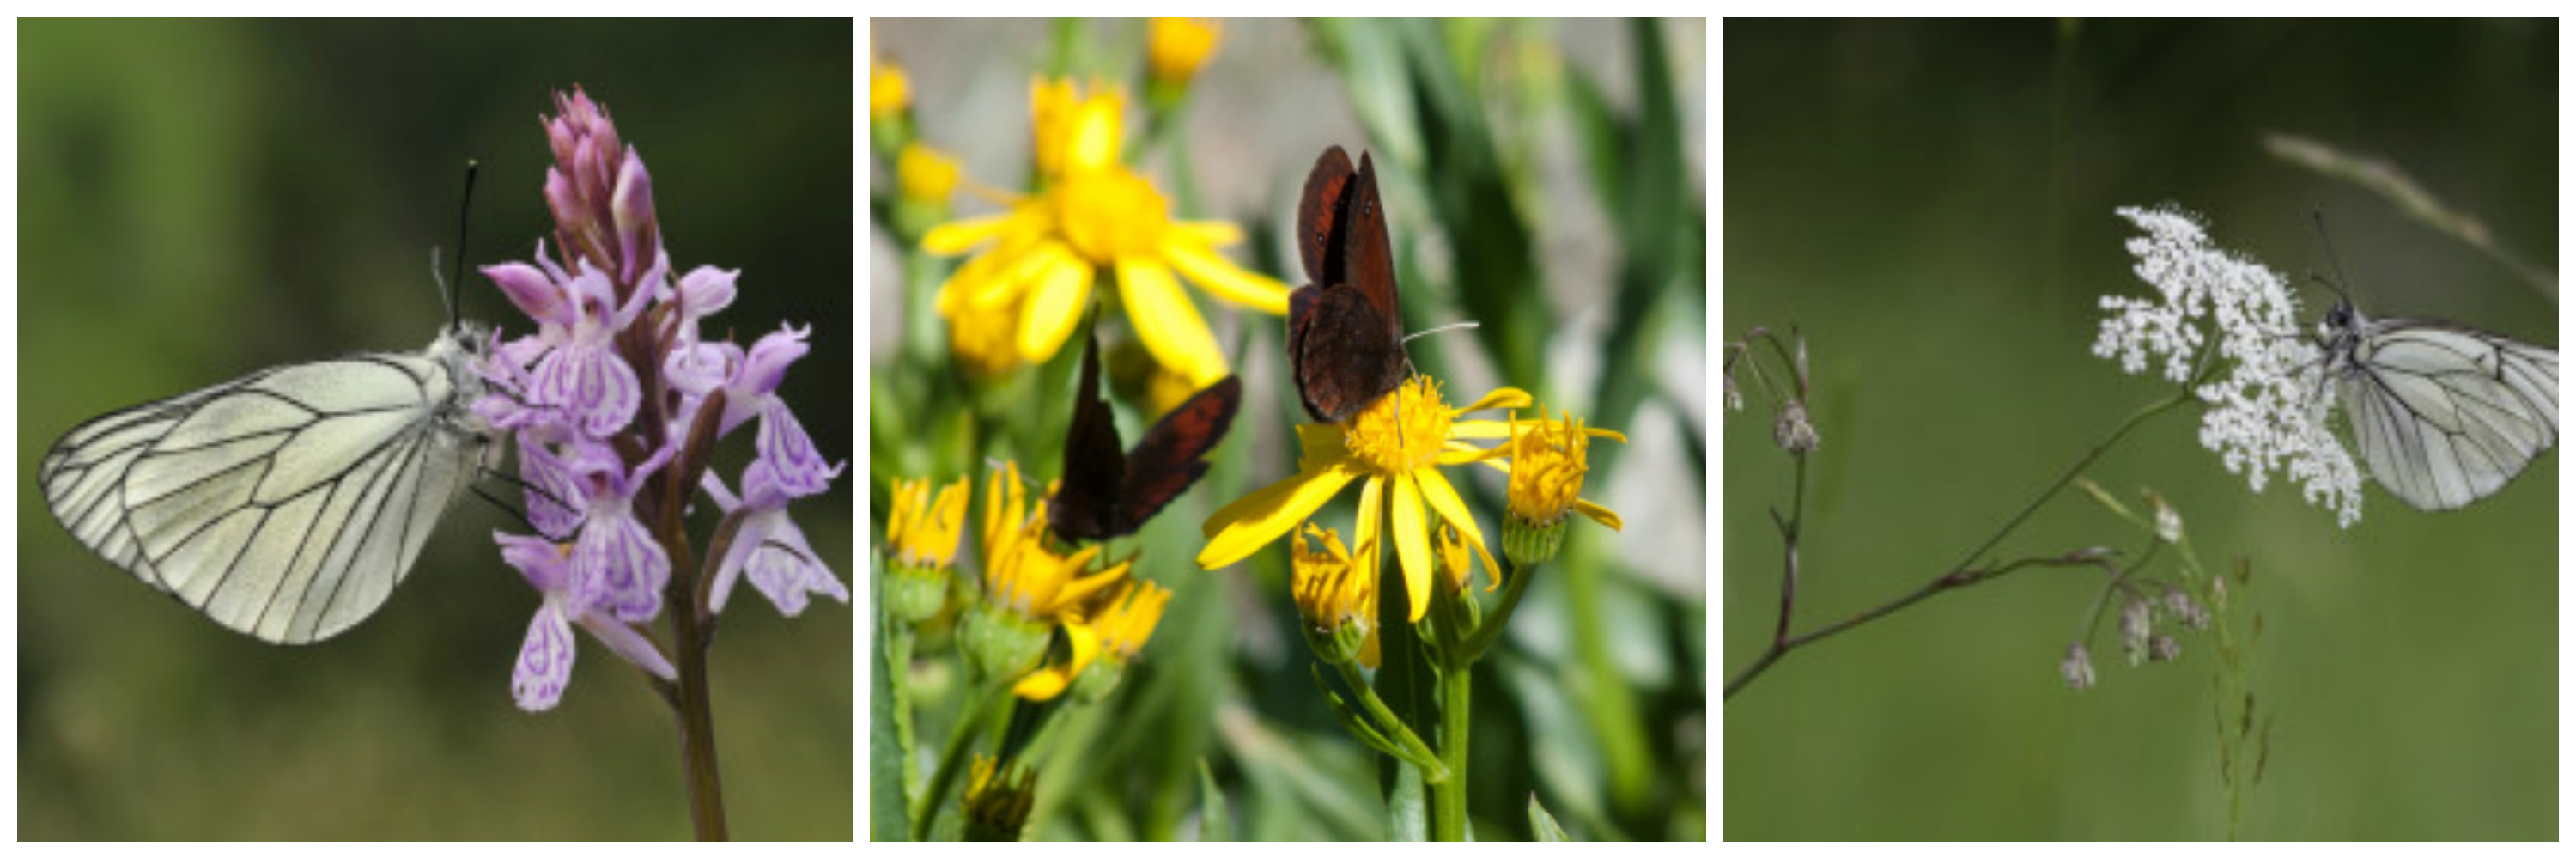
1172,454
285,505
2445,415
1345,330
1087,495
1319,216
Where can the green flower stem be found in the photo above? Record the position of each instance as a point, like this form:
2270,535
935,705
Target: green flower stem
1484,636
1960,575
1449,795
952,759
898,662
1393,728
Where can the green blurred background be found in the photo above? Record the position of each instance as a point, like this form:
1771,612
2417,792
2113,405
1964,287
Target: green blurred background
1543,178
200,200
1932,204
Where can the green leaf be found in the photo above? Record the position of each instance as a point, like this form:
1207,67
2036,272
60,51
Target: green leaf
887,820
1214,823
1543,825
1408,807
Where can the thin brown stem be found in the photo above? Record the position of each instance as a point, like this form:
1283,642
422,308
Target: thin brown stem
1960,575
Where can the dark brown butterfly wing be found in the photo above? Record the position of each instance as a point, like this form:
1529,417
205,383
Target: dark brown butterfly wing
1171,455
1086,495
1319,213
1345,331
1343,356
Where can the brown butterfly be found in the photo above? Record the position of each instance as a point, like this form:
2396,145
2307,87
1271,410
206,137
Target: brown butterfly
1109,492
1345,332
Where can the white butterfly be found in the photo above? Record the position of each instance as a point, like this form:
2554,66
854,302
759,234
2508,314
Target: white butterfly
286,504
2444,415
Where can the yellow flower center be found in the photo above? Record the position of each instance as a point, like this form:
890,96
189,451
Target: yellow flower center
1403,431
1547,469
1107,214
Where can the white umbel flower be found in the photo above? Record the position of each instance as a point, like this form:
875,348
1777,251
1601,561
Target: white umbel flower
2267,407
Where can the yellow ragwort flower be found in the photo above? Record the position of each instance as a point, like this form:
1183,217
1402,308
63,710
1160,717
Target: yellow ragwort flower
1027,588
1021,572
1338,600
997,800
921,540
1394,447
1113,623
889,89
924,174
1175,48
922,532
1547,468
1092,214
1127,617
1546,464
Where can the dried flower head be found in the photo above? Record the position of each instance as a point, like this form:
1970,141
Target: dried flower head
2077,668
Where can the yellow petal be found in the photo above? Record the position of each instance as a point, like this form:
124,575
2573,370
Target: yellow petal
1209,233
1500,398
1052,679
1255,520
1080,589
1054,305
1043,684
1016,267
1370,526
1094,143
1412,546
1462,454
959,236
1168,323
1598,513
1444,500
1086,646
1225,280
1321,445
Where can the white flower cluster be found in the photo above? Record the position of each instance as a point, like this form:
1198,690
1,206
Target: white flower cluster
2268,410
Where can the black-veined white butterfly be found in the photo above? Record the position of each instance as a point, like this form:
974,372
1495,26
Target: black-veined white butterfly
2443,415
286,504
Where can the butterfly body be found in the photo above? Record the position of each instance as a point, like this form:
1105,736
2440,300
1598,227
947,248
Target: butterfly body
1107,490
2443,415
1345,328
287,504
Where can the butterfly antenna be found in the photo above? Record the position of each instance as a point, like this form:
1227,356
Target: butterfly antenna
1454,326
504,507
522,485
1468,325
464,208
2318,216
